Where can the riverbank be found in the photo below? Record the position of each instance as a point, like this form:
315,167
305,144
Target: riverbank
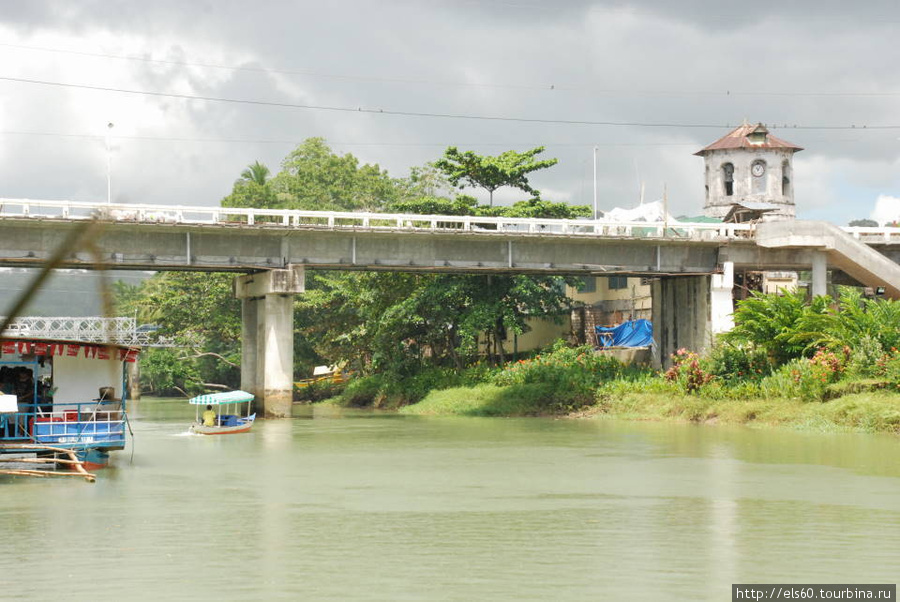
875,411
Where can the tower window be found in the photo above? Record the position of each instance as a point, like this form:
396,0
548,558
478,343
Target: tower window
728,178
785,179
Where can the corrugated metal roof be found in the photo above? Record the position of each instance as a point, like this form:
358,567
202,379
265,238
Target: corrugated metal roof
739,137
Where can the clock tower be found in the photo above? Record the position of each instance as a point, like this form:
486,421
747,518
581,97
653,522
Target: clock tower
751,168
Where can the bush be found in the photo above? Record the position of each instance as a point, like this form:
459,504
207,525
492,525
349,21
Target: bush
739,363
571,374
864,358
805,379
687,371
389,390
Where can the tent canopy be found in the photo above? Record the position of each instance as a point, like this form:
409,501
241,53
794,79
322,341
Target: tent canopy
214,399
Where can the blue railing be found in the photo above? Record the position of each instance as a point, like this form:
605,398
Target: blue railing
72,424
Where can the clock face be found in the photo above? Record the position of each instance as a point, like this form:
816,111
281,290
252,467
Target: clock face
758,168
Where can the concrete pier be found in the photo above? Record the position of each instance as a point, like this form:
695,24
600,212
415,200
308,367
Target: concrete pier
267,331
681,316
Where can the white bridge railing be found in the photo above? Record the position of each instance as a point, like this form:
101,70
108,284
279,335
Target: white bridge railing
93,329
336,220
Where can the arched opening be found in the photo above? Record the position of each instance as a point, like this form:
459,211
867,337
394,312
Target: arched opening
728,178
786,179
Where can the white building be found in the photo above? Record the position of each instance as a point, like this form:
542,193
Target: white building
751,167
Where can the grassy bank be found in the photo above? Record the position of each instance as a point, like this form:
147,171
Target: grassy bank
876,411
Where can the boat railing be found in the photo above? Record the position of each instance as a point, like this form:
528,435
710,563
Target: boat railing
70,423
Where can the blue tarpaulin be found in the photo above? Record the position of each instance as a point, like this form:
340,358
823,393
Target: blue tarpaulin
634,333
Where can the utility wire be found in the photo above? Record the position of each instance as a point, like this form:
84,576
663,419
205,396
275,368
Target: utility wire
430,114
546,87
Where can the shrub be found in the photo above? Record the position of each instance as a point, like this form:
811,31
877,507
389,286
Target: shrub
738,363
805,379
865,357
572,373
687,371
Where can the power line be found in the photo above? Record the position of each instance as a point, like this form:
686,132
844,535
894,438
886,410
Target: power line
543,87
429,114
341,143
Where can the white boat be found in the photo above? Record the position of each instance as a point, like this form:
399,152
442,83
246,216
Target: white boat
227,423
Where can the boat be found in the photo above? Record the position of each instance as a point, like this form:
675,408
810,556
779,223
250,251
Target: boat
228,423
60,397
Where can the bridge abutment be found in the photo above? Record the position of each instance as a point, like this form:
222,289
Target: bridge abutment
267,332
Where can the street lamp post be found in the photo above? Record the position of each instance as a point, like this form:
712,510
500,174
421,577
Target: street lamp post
109,127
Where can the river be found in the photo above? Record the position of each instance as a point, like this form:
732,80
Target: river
343,505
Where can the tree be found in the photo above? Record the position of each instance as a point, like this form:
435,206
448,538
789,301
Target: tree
314,177
864,223
256,173
252,189
507,169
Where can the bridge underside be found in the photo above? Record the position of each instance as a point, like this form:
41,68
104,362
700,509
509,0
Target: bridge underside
691,295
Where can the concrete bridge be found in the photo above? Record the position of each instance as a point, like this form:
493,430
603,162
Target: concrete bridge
693,263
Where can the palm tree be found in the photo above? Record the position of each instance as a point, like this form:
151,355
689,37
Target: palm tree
257,173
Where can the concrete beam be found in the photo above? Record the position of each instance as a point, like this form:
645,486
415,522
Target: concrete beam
272,282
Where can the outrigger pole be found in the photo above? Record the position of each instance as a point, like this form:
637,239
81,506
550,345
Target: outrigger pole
36,472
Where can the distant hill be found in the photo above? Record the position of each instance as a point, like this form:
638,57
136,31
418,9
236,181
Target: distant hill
74,293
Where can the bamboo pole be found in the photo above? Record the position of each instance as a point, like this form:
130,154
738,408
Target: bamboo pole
90,478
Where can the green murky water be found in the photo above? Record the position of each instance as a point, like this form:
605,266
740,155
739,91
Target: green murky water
336,505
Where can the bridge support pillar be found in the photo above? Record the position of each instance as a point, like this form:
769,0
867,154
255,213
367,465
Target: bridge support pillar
267,331
681,316
819,274
721,299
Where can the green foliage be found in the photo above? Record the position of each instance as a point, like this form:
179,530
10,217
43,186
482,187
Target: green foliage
164,373
773,322
387,391
852,322
687,371
312,176
738,363
197,310
571,375
510,168
803,378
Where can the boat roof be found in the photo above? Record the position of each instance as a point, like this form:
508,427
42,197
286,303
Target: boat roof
221,398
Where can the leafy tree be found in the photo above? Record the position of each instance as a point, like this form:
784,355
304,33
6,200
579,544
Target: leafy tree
510,168
197,310
864,223
313,177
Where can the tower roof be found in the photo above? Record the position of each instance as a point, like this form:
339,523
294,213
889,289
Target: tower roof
749,136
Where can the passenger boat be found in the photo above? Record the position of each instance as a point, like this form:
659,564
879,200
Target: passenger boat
227,423
61,395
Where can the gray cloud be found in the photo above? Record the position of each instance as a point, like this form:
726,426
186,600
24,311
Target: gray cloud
652,62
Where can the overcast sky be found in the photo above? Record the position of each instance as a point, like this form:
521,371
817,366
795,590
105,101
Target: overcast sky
679,72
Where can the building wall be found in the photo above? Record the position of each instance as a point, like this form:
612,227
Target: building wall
718,203
78,379
604,305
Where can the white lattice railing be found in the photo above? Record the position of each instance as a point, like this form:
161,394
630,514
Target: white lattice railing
118,331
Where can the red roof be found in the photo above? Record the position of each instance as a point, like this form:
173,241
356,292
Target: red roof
740,138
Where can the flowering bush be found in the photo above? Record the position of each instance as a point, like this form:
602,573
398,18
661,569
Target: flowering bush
807,379
687,371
